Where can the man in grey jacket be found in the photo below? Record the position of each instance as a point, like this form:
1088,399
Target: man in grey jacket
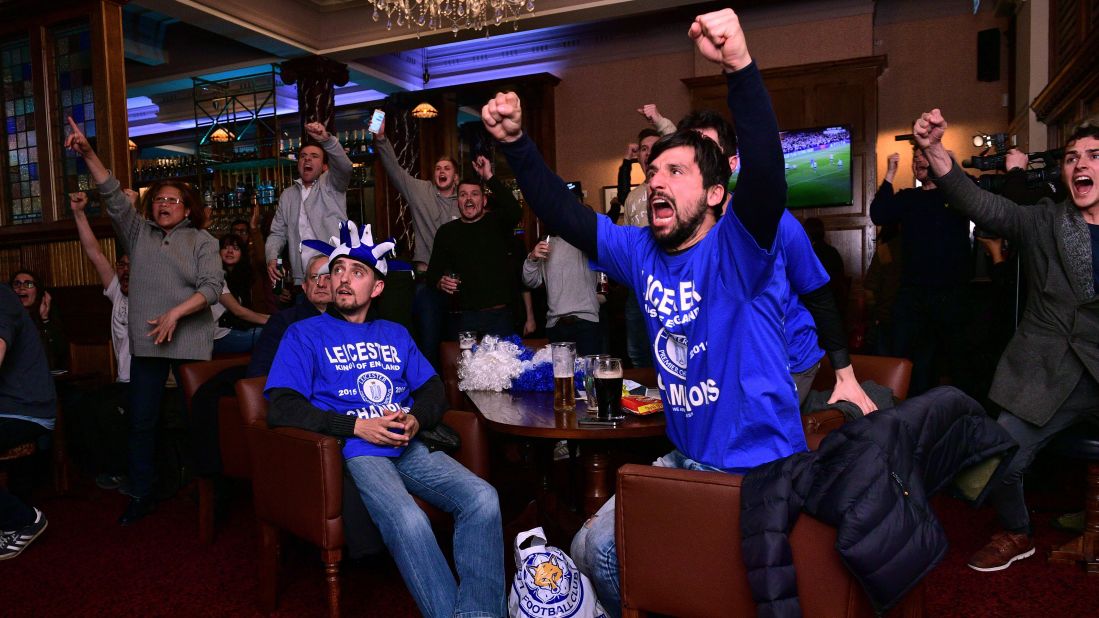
311,207
1046,379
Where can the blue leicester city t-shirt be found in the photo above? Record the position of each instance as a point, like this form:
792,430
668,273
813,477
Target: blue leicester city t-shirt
365,370
715,316
805,273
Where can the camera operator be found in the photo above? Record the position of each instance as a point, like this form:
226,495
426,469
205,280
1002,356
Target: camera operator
1045,380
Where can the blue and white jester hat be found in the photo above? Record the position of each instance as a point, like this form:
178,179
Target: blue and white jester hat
356,247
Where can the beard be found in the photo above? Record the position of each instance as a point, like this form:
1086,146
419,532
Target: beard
685,224
347,304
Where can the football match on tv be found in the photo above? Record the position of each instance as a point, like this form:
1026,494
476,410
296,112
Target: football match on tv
818,167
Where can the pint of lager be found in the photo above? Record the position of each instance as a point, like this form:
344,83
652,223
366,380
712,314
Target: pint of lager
564,361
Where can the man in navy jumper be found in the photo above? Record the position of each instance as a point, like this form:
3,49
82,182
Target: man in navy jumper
711,286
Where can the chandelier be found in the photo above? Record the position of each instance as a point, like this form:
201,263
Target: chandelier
452,14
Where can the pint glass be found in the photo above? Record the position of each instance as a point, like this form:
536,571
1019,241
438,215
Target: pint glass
608,388
564,362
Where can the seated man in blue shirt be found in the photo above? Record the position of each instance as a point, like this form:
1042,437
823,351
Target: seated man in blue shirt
712,286
365,381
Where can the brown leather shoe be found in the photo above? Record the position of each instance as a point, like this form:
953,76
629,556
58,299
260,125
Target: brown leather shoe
1001,551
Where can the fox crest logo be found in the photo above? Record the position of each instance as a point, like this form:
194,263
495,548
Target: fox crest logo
547,574
551,585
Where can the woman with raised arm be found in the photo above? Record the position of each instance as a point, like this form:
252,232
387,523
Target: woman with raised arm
175,276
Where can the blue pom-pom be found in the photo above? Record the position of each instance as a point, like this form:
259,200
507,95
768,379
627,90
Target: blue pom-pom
538,378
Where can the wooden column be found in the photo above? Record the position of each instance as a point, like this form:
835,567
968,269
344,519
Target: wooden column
317,78
109,68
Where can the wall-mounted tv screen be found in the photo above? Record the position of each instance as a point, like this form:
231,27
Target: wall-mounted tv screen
818,166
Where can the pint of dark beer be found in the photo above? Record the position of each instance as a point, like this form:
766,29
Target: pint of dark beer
608,388
563,354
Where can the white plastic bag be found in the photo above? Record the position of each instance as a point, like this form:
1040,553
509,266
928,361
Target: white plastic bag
547,582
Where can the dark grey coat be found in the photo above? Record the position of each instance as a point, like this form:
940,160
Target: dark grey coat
1058,337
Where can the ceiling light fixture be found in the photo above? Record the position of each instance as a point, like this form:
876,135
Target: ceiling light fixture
425,110
221,134
456,15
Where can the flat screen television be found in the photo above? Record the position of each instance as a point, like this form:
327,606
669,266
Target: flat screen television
818,166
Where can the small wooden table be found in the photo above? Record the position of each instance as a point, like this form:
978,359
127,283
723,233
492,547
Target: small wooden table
531,415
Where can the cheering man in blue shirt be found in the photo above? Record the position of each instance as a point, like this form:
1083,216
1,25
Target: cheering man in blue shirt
712,287
366,381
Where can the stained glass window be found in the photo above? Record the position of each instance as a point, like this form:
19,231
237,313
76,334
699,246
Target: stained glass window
73,61
19,130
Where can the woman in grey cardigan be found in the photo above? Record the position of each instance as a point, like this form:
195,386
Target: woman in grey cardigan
175,276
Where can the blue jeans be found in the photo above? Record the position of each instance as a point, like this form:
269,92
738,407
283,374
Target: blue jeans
429,318
147,376
593,548
387,486
237,341
637,335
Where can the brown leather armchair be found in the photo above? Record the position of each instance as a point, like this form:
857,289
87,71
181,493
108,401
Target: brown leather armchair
448,361
698,570
235,460
891,371
298,486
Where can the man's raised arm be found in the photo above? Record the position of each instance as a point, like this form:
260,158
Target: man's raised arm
992,212
760,195
545,191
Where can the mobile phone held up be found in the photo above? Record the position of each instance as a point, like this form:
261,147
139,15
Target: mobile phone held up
376,120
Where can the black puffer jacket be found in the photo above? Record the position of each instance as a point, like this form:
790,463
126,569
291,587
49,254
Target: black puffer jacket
870,479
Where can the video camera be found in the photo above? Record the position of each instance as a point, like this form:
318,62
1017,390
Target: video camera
1035,178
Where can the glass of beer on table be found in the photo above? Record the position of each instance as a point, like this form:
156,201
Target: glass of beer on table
563,354
608,388
587,365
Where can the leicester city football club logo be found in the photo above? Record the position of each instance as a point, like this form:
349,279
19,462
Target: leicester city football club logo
375,387
670,350
551,585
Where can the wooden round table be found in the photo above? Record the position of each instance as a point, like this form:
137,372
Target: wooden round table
531,415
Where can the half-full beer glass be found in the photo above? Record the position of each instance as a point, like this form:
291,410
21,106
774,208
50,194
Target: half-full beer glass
563,354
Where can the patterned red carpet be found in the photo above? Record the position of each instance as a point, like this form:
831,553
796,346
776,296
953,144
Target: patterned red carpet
86,565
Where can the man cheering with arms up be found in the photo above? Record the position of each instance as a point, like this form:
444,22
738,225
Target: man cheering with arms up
711,287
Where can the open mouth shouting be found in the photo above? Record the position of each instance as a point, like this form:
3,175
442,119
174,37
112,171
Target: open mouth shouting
1082,185
661,210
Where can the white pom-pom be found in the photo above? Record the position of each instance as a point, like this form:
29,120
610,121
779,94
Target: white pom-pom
492,366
